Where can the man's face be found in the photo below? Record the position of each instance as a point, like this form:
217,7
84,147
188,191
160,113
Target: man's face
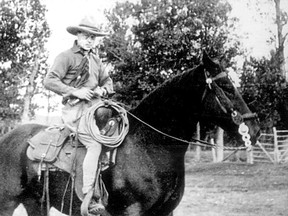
86,41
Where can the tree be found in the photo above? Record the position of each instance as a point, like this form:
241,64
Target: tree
23,32
261,84
263,80
154,40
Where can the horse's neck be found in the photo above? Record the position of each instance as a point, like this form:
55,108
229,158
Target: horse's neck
171,109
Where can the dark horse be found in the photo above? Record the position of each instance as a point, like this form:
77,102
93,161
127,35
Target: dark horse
148,178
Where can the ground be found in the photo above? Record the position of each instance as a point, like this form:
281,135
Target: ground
234,189
231,189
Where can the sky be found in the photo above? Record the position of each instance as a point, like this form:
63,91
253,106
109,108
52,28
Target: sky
64,13
257,29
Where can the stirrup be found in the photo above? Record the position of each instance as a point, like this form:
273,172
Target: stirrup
96,208
90,207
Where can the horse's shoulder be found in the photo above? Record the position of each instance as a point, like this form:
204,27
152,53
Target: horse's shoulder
32,125
24,130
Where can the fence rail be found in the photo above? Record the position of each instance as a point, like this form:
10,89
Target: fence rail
272,147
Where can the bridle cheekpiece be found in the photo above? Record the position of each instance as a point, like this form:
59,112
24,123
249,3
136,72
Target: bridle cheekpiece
238,118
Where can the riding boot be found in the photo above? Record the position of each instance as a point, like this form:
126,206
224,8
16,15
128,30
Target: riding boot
91,205
96,206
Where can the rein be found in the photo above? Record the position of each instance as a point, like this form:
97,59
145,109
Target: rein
238,119
193,142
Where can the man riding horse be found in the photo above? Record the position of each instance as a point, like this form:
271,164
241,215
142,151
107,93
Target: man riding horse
80,77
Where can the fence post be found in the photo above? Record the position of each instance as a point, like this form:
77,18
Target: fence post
250,156
198,148
276,152
213,150
220,144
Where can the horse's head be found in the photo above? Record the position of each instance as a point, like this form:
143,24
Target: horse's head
223,104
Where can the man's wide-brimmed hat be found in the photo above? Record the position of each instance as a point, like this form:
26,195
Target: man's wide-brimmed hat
88,25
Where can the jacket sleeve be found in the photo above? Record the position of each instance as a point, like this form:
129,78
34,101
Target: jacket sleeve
54,79
105,80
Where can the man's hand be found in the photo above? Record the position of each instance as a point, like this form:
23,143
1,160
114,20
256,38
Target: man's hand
100,91
83,93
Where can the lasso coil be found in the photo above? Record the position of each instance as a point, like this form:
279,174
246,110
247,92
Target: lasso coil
92,128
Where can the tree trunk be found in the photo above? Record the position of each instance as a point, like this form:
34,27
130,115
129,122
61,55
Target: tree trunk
280,22
27,102
29,92
48,107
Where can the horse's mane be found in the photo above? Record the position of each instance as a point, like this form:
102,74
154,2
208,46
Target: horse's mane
168,91
174,104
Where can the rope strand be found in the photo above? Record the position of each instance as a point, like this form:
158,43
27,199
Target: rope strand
200,142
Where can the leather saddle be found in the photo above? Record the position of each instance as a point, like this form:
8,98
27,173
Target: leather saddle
56,147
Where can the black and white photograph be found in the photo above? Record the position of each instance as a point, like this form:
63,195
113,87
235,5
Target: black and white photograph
143,108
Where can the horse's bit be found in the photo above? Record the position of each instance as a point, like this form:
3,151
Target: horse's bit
238,119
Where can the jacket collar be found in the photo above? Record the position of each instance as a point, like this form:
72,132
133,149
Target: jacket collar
76,49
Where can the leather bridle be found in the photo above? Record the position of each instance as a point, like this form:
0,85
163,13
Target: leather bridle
238,119
227,106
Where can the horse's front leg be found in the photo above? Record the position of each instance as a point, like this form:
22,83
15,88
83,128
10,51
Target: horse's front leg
134,209
33,207
7,208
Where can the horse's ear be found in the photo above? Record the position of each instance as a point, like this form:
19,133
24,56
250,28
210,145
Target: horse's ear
207,61
204,56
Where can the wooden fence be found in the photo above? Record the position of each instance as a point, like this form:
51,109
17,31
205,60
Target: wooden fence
271,147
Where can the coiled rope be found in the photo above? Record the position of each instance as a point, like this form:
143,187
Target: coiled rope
92,128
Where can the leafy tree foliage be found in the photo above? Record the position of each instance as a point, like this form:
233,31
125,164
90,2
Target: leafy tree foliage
23,33
154,40
262,87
